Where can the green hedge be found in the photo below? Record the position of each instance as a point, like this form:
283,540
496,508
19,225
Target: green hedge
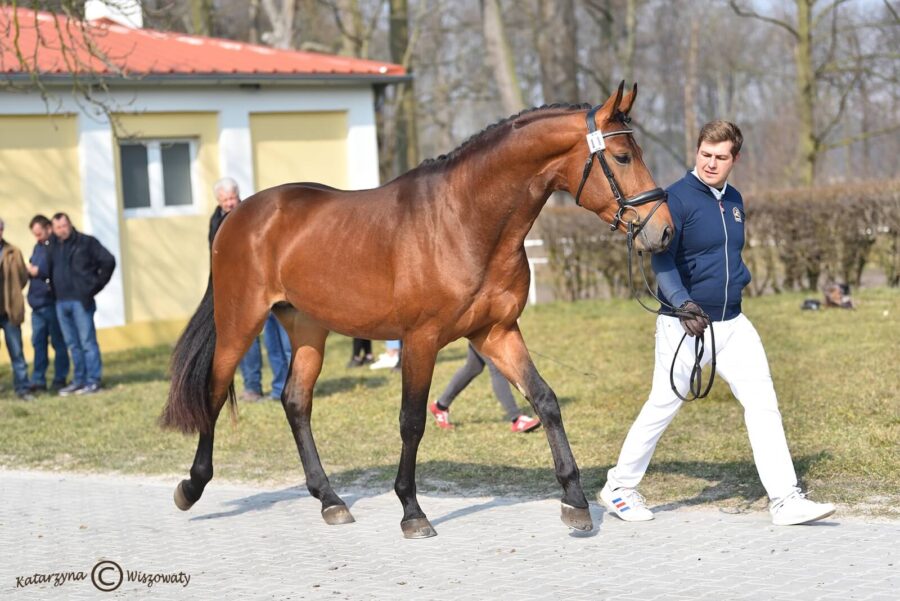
796,239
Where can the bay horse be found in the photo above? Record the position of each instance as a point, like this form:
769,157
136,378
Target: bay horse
435,255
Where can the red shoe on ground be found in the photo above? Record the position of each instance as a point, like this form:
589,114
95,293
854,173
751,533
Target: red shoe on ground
524,423
441,417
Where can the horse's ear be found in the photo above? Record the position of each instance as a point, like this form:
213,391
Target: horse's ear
614,100
628,101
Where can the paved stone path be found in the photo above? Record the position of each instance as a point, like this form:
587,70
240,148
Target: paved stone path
241,542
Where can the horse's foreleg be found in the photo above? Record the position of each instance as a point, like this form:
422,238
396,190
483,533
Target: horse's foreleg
417,363
506,348
308,342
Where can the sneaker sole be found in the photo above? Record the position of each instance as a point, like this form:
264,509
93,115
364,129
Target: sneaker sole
807,521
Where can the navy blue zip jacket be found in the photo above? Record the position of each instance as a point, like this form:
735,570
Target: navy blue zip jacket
40,293
80,267
703,263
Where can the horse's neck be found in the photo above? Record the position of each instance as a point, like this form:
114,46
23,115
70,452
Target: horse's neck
503,189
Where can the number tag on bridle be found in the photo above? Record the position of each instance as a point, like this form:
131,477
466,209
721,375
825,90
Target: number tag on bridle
595,141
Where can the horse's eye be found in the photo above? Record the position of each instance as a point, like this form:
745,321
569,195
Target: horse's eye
622,159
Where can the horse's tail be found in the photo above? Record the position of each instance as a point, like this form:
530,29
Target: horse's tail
189,407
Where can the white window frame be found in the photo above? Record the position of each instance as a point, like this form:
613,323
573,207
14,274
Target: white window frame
157,206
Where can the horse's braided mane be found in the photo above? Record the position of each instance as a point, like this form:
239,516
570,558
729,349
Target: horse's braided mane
473,140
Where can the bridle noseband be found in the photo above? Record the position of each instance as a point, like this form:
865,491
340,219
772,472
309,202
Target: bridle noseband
597,145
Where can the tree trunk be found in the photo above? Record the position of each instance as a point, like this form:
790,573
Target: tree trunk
253,22
406,133
282,20
806,93
690,93
630,33
500,57
201,17
558,51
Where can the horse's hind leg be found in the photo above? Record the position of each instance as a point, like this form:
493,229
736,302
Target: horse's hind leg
417,364
506,348
230,348
308,342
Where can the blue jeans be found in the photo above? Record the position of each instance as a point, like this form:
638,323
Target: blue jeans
278,346
13,335
251,368
44,326
77,325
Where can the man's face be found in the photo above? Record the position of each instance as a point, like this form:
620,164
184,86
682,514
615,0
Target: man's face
714,162
227,199
41,232
62,228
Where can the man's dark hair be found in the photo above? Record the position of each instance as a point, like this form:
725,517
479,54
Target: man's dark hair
60,216
722,131
39,220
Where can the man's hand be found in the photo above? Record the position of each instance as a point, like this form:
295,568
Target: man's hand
32,270
696,322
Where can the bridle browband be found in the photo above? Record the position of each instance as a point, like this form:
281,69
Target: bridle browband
597,145
596,140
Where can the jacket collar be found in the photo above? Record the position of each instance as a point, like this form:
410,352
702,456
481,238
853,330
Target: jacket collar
695,182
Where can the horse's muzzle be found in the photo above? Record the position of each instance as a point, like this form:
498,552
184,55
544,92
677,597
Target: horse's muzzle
657,233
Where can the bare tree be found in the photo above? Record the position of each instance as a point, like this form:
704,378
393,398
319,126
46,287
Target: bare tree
281,16
558,51
406,132
500,57
814,30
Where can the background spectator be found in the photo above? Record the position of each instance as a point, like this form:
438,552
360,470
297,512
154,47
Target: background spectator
80,267
44,323
13,277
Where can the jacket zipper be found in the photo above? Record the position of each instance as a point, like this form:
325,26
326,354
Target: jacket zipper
727,275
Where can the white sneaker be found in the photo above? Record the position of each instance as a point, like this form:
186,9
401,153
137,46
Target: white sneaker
626,503
386,361
797,509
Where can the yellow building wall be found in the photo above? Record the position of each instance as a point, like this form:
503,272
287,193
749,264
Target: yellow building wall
39,173
165,260
299,147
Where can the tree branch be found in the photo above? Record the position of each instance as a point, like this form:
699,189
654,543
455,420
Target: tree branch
755,15
846,141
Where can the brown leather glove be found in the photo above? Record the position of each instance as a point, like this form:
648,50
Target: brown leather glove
693,324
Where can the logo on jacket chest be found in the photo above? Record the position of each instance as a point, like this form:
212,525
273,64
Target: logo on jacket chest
737,214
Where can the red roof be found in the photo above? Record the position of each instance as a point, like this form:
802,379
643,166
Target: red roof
145,52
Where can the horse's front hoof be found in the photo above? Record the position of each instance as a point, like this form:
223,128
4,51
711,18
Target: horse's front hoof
578,518
181,500
418,528
337,514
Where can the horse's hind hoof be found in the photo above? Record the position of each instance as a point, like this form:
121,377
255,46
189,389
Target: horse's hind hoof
417,528
181,500
578,518
337,514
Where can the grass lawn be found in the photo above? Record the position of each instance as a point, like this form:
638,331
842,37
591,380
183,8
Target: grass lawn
837,374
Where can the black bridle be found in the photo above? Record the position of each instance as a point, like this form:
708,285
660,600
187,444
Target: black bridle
597,146
596,140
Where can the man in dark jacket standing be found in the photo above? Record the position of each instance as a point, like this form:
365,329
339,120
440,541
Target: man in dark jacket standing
13,277
44,323
80,268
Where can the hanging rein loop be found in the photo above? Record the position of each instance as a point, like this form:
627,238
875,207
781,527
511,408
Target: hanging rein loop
596,140
696,390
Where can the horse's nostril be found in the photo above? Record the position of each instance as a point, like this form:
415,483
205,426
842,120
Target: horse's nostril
666,236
